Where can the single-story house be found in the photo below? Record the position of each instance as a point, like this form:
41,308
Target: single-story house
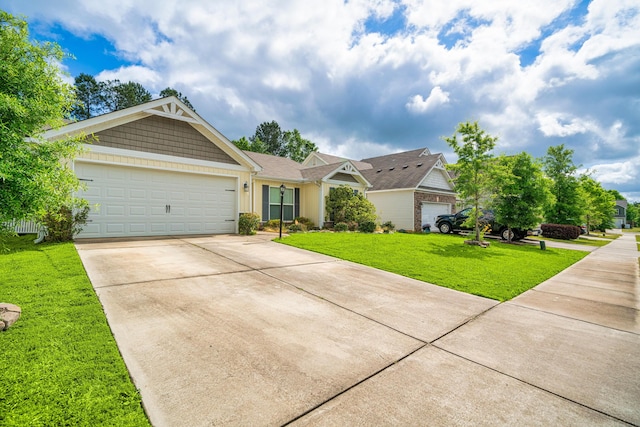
410,188
620,214
159,169
307,185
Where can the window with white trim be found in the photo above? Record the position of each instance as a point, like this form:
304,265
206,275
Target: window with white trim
287,205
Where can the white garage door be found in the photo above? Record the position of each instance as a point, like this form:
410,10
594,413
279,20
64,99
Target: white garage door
431,210
145,202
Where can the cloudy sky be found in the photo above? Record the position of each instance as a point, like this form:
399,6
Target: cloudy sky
369,77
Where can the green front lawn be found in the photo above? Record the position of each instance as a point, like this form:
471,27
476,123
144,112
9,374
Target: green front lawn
500,271
59,364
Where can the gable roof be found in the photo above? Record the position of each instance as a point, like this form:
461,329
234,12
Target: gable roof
401,170
282,168
170,107
276,167
328,159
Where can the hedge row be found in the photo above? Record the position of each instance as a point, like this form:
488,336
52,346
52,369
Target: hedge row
560,231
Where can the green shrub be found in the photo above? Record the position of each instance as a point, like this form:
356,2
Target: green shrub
248,223
304,221
66,222
388,226
273,223
297,227
367,227
341,226
342,204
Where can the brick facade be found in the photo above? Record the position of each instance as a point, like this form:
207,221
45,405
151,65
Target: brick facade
420,197
161,135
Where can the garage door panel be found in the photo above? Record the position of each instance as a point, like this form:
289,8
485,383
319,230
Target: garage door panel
115,210
137,211
135,193
133,201
137,227
431,210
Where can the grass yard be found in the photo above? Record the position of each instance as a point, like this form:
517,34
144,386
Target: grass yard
60,365
499,272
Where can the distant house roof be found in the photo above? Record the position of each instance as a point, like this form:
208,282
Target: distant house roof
282,168
276,167
400,170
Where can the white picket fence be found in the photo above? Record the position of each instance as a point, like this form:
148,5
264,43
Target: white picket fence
25,227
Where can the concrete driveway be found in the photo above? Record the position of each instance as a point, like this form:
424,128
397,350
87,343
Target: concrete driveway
234,330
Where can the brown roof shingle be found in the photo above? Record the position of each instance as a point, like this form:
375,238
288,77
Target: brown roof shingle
399,170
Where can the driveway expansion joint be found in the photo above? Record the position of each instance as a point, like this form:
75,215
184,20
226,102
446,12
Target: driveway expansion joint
529,384
352,386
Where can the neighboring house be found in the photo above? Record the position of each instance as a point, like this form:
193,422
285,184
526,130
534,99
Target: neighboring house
306,184
160,169
620,215
410,188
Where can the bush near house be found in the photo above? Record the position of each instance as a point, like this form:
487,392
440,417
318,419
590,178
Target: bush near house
341,226
248,223
367,227
304,221
560,231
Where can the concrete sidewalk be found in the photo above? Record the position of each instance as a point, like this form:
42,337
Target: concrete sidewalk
243,331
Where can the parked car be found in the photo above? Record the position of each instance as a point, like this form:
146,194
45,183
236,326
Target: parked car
454,223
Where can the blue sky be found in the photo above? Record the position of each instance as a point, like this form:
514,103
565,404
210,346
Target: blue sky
369,77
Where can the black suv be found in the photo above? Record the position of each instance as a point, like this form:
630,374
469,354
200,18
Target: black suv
453,223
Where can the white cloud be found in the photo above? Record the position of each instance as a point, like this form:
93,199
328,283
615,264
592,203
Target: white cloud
558,124
417,104
143,75
618,173
313,66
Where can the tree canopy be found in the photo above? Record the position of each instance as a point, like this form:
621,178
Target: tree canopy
521,193
269,138
597,204
94,98
565,207
475,172
34,178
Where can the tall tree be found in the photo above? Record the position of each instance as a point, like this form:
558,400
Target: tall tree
616,195
475,170
271,136
597,204
255,146
559,167
89,101
521,193
130,94
34,178
164,93
296,147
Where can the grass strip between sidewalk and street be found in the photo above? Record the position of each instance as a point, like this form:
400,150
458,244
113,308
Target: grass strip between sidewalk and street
501,271
60,365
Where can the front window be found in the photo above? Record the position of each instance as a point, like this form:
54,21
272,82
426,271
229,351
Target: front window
274,204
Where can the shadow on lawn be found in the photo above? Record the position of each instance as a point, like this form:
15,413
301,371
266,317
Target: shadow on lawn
497,249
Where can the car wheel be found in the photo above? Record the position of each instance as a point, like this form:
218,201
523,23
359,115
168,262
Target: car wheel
445,228
505,233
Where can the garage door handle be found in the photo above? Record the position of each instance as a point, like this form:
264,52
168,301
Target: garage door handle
167,208
229,220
